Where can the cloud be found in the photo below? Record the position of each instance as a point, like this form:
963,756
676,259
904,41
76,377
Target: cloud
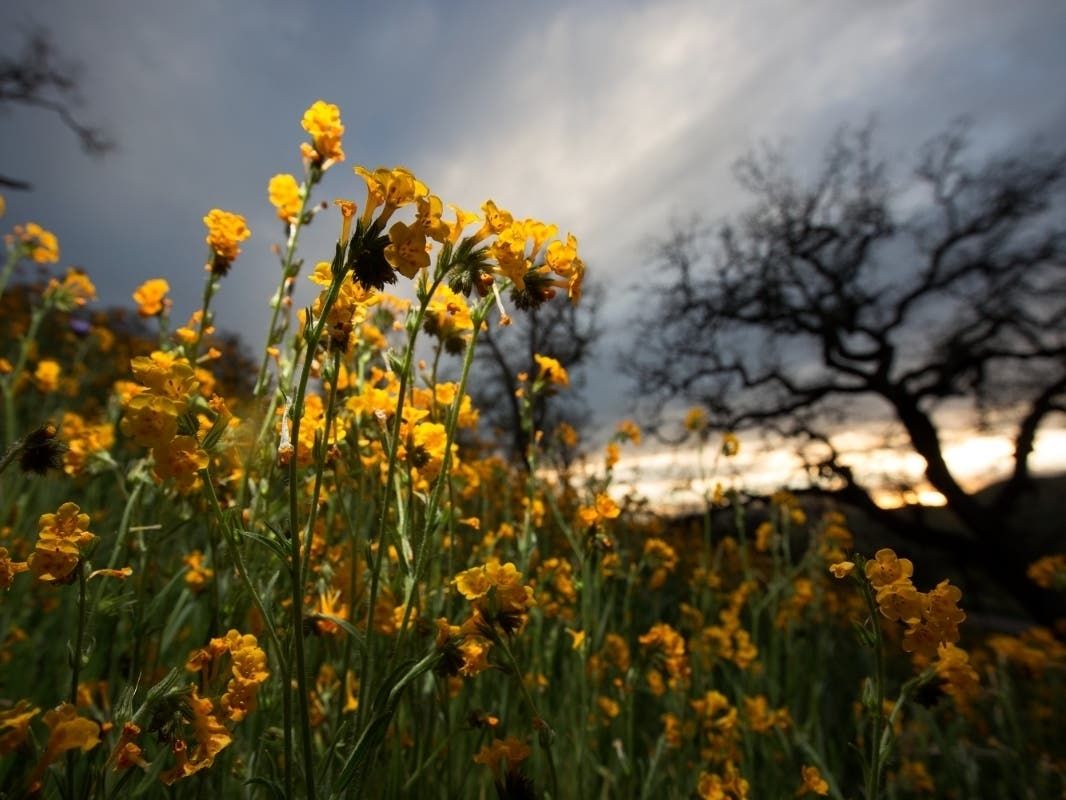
607,118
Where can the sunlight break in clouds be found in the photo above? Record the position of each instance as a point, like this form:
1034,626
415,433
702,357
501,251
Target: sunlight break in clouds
671,480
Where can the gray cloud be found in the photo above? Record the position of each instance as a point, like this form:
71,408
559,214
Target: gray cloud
606,118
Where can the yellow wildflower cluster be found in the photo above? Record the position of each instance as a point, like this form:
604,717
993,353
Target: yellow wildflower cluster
151,297
323,121
1049,572
728,640
555,589
286,196
66,731
448,319
500,603
39,245
83,441
225,232
932,618
664,650
73,291
61,540
247,672
168,385
503,757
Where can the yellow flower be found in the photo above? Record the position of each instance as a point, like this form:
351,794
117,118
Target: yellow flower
611,455
448,318
15,726
46,376
151,297
181,459
560,257
406,251
473,583
506,753
198,575
323,121
41,246
628,429
953,668
900,601
497,594
74,291
1049,572
68,731
167,375
886,568
842,569
348,209
496,220
151,420
284,193
474,651
813,782
428,442
329,605
666,649
427,217
463,219
603,508
730,445
577,638
127,753
696,420
8,570
225,232
551,371
60,538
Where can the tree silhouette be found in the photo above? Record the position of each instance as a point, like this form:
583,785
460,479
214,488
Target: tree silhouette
563,331
39,77
853,292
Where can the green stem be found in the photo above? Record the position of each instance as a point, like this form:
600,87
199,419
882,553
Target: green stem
873,774
286,274
297,412
11,381
390,473
75,667
478,317
242,572
320,465
13,256
210,286
12,451
545,732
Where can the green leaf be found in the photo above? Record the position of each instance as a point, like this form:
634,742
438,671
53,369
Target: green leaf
272,786
269,542
346,626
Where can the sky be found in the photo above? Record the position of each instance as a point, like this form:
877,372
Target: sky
610,119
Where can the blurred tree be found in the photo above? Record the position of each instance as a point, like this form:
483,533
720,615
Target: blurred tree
853,294
40,78
561,330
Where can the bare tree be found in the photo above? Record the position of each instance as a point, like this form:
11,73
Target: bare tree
563,331
39,77
897,298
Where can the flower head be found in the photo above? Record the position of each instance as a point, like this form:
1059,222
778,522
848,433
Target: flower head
284,193
323,121
40,246
151,297
225,232
60,539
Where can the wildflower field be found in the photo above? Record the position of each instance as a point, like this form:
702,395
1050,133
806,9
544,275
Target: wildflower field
308,574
